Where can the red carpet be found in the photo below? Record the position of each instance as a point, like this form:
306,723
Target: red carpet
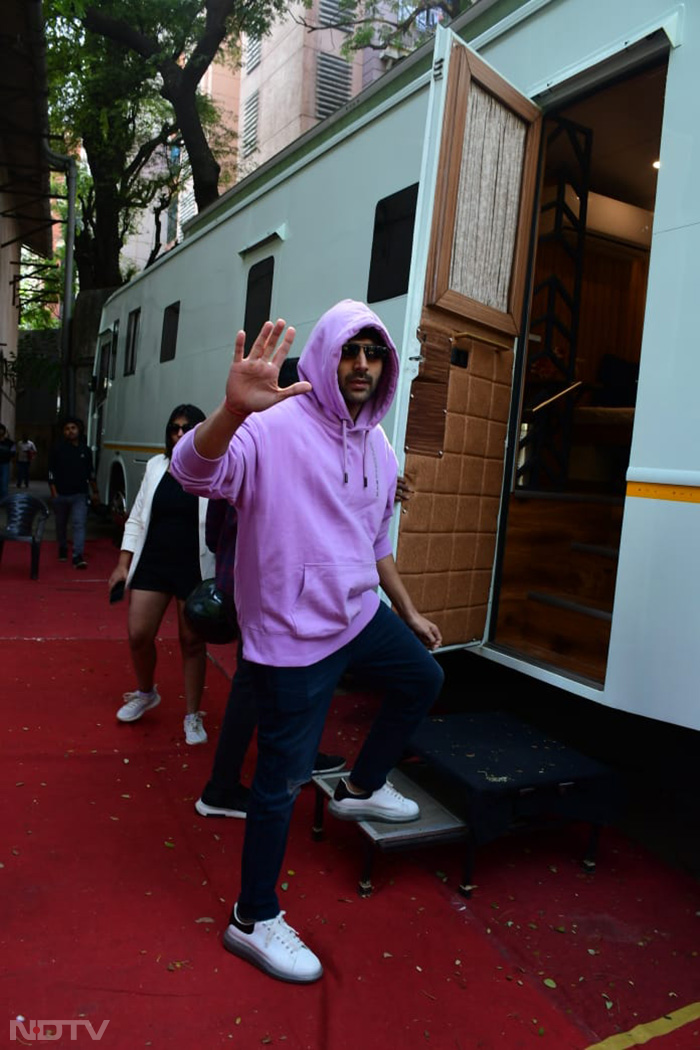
114,892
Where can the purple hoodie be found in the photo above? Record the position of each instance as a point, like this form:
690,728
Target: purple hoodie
314,493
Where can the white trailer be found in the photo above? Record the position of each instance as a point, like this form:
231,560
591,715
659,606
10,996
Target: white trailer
519,205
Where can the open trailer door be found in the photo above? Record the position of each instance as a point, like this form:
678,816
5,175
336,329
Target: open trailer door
473,230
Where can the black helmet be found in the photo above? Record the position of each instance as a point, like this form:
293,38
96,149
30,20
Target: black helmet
211,614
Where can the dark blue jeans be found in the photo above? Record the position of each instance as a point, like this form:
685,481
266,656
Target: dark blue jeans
76,507
292,705
237,728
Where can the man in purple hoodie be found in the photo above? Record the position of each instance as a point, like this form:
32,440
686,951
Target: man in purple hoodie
312,477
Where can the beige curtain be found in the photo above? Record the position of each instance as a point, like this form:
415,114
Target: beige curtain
488,201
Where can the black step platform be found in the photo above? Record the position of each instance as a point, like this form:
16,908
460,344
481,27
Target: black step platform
509,775
481,775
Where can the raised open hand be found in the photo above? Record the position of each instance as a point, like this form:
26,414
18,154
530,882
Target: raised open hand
252,384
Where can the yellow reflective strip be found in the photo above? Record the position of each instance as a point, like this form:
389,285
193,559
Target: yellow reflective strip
644,1033
676,493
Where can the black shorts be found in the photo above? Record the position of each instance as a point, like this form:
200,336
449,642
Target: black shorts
179,580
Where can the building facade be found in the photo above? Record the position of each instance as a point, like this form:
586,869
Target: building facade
25,213
293,78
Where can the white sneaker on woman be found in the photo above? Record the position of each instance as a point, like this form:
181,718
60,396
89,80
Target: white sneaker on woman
195,733
136,704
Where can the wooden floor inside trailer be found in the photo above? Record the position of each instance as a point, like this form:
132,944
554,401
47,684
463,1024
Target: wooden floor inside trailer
558,579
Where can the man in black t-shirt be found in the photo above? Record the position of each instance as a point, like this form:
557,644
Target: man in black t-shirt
71,475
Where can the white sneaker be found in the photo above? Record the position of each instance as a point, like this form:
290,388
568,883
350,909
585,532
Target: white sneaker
385,804
195,733
274,947
137,704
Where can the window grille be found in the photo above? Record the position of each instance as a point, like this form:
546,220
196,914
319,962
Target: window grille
252,53
333,84
249,142
187,207
329,13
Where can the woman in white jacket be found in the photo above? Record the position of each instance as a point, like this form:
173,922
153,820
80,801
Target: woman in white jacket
164,556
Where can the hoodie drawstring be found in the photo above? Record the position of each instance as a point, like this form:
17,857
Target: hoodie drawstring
344,427
365,438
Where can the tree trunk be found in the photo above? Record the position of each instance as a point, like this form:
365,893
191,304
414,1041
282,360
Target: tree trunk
105,236
205,168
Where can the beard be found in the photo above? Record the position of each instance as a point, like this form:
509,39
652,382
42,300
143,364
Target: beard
360,393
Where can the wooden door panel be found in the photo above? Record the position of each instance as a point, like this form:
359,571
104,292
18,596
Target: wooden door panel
473,296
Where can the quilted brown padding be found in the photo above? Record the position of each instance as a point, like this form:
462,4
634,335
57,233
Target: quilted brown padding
447,531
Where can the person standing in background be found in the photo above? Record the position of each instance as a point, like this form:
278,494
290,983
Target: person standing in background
71,483
26,451
7,449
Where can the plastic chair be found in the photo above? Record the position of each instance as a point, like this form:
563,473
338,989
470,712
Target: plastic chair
23,518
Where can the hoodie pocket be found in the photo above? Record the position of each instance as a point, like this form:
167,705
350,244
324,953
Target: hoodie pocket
331,597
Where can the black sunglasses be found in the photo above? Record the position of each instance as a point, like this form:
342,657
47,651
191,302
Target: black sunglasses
184,427
349,351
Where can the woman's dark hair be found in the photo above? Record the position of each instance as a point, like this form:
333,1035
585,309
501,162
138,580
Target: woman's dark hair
191,413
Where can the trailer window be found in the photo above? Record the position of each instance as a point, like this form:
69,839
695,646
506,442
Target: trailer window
113,352
132,338
168,339
392,242
258,298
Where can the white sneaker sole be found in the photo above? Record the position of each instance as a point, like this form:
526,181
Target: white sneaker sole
199,740
367,812
134,718
253,955
217,811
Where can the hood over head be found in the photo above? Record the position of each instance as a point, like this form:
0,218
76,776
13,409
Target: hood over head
319,360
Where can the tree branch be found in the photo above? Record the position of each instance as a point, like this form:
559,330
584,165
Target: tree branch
146,150
120,32
217,12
